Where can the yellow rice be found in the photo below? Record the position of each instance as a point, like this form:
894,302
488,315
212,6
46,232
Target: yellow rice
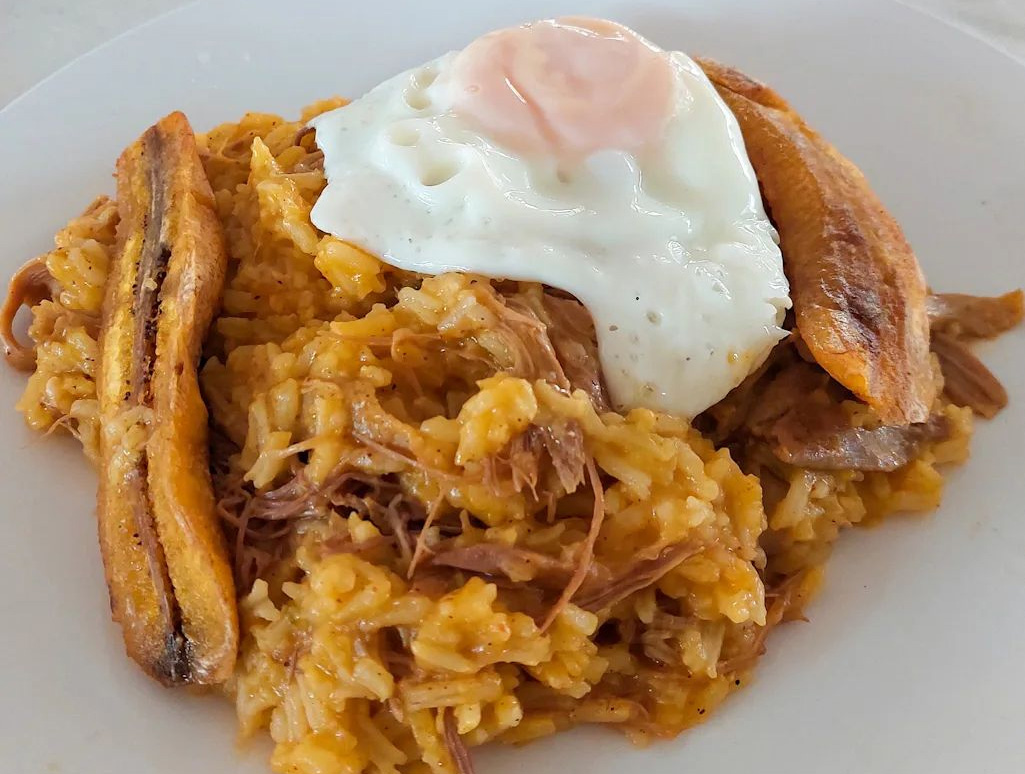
294,378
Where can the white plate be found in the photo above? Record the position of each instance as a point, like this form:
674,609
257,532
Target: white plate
914,660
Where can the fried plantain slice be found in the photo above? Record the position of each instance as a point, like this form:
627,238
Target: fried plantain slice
165,558
859,294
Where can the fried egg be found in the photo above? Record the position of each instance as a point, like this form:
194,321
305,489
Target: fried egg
577,154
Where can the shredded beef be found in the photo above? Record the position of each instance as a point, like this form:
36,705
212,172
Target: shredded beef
956,318
526,339
516,564
966,381
518,465
795,412
975,317
571,330
262,522
568,331
639,575
563,440
31,284
586,558
521,464
822,440
788,391
454,743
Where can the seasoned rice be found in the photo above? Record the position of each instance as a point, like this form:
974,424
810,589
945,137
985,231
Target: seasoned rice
328,369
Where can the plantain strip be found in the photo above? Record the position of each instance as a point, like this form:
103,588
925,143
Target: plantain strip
859,294
165,559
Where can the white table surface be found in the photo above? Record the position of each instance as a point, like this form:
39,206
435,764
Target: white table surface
39,36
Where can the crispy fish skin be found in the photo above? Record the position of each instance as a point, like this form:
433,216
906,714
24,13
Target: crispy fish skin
165,558
859,294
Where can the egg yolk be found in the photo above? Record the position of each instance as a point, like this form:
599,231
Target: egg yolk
565,87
